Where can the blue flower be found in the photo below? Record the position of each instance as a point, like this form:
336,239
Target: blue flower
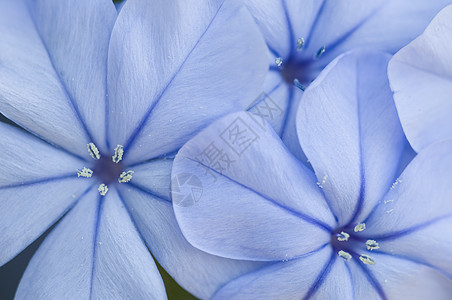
421,77
306,35
355,228
101,161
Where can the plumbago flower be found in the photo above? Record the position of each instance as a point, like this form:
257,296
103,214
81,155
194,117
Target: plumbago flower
421,77
101,160
303,36
353,230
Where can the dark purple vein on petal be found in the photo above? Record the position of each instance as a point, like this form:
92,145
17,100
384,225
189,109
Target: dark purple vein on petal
148,113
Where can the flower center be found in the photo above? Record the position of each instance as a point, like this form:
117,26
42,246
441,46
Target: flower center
105,169
296,70
348,244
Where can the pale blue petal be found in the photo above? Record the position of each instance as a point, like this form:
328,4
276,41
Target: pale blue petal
154,177
272,103
284,21
421,77
209,59
76,35
198,272
415,217
349,129
385,25
31,93
95,252
232,190
316,276
278,104
38,183
395,278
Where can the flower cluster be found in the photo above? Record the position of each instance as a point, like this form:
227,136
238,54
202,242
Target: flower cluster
287,149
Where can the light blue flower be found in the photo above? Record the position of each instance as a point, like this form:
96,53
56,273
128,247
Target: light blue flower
101,165
305,35
355,228
421,77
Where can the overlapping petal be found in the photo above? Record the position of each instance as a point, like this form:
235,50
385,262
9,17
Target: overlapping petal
31,92
95,252
421,77
171,80
350,132
38,183
316,276
255,190
198,272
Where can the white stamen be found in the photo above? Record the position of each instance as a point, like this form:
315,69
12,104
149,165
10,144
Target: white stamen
345,255
300,44
278,61
343,236
320,184
125,176
360,227
372,245
367,259
394,185
119,152
85,172
103,189
93,151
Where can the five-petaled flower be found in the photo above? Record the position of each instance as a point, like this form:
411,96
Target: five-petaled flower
110,97
366,222
304,36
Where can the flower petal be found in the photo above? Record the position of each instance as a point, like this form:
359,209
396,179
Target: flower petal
31,93
316,276
283,22
76,34
235,182
162,92
349,130
95,252
421,77
415,217
382,25
395,278
196,271
38,183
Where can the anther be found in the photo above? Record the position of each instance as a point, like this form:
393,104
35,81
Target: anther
125,176
300,44
298,84
119,152
85,172
360,227
278,61
372,245
345,255
367,259
343,236
319,52
93,151
103,189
